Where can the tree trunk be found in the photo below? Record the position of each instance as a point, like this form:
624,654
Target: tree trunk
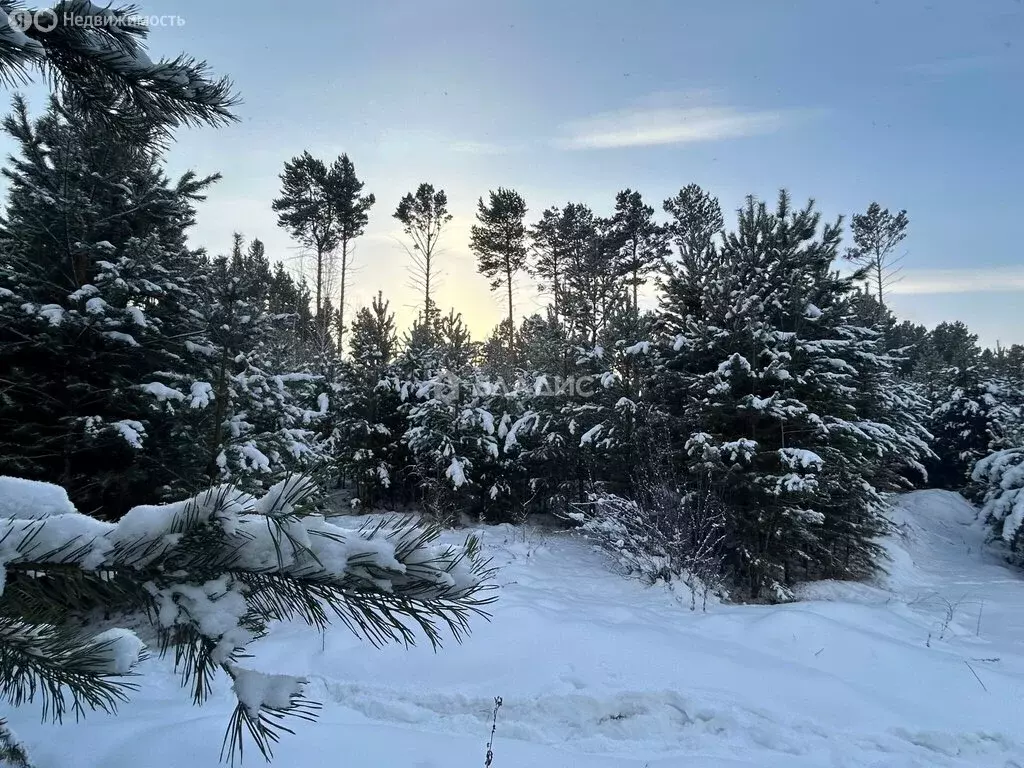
220,413
319,278
636,278
878,274
426,289
341,300
511,322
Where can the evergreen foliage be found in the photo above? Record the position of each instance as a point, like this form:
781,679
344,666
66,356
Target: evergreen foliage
499,241
98,291
1001,475
762,375
102,69
642,243
211,574
140,369
876,233
740,438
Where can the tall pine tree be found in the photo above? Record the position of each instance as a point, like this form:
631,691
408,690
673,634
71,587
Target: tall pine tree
499,241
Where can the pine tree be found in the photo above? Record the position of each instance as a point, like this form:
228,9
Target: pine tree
258,422
373,423
876,234
592,287
307,208
549,257
642,244
1001,478
423,216
98,295
499,242
374,338
295,337
352,210
966,424
696,220
543,343
450,432
759,380
497,359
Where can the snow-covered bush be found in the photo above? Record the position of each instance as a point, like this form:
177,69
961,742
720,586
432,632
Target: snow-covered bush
210,573
1001,474
673,537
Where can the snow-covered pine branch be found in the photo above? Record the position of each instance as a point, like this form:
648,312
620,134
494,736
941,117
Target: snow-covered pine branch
211,572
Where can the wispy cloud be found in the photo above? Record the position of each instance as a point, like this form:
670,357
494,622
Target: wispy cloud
641,127
964,280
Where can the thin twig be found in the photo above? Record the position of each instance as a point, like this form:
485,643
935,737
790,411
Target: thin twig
976,677
494,727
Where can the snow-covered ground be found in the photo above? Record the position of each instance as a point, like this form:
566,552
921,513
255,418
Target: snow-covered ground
596,671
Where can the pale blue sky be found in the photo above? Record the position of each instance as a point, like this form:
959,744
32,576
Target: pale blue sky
918,105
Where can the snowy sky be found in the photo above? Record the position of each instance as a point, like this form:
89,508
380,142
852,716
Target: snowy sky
915,104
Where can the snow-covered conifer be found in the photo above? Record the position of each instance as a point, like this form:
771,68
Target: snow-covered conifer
98,293
763,378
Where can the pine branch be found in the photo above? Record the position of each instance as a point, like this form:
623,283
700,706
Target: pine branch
103,70
264,703
211,573
48,662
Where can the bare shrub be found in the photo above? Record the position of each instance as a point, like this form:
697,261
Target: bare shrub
671,535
